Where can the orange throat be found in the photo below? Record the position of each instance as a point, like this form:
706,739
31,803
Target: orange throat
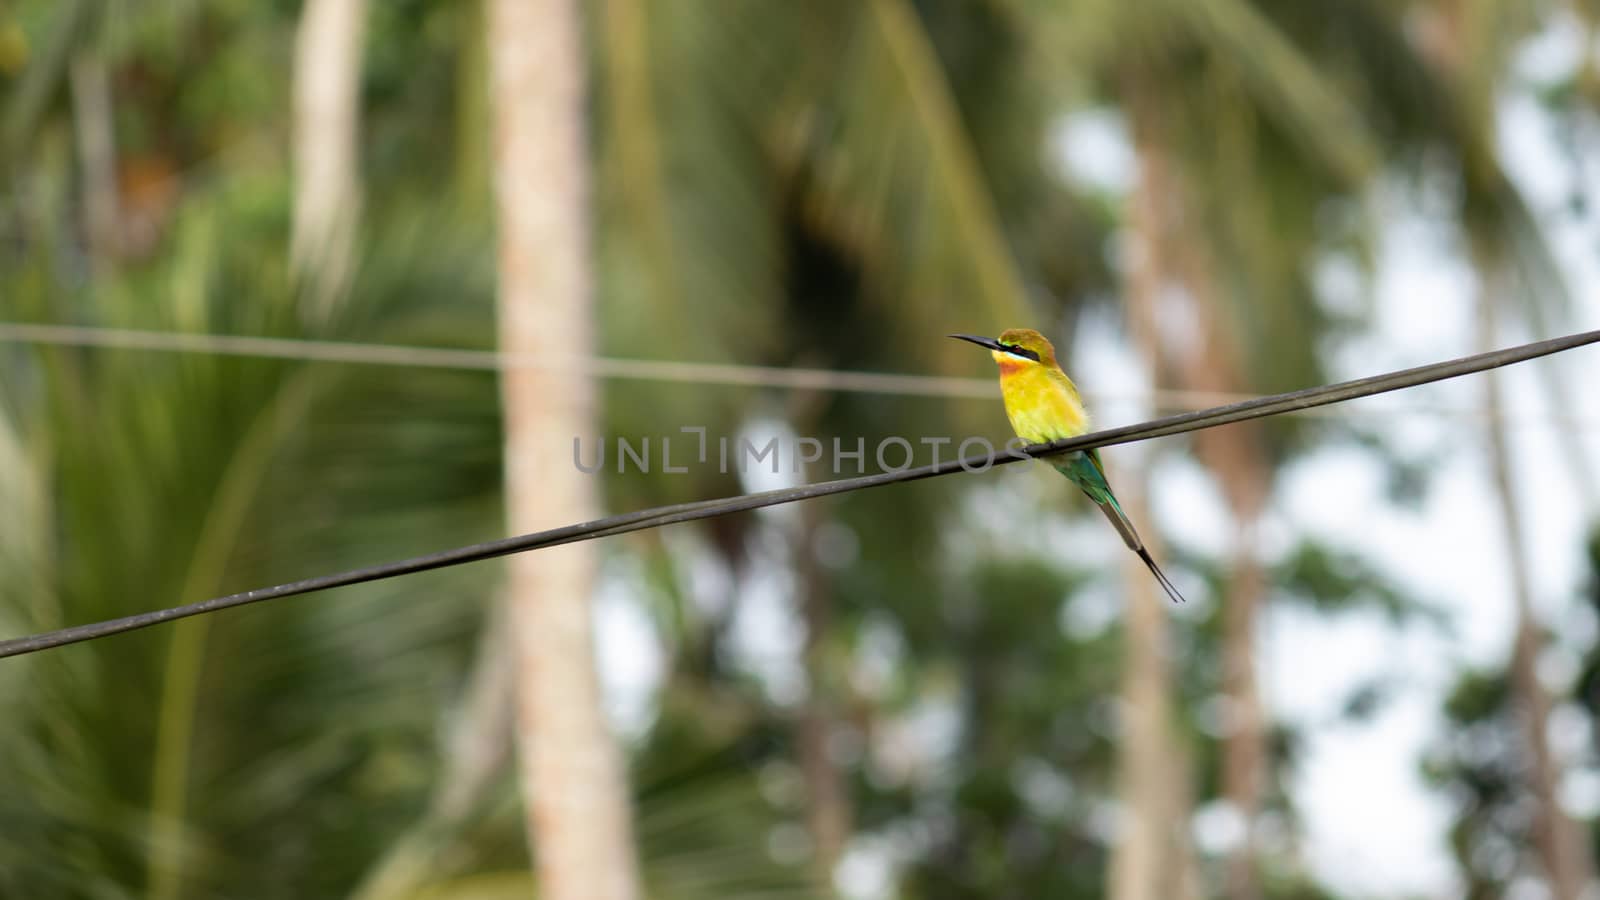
1009,365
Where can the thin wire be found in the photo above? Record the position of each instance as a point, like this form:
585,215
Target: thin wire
490,360
652,370
686,512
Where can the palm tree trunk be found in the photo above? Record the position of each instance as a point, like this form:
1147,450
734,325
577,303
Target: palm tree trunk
572,773
327,193
1238,460
1153,861
1244,750
1562,845
1233,453
828,813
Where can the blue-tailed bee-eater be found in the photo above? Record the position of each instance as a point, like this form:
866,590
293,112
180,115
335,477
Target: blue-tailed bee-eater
1043,406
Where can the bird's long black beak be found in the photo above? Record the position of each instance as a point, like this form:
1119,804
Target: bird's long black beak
989,343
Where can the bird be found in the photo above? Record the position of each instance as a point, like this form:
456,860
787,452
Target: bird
1043,406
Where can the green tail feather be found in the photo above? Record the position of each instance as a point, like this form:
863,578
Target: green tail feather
1089,475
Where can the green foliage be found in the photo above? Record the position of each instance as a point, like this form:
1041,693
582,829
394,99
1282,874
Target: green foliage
1479,761
238,749
834,184
1031,767
1334,580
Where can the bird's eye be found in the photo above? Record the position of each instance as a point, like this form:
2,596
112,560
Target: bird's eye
1023,352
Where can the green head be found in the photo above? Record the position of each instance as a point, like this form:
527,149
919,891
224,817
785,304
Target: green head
1016,347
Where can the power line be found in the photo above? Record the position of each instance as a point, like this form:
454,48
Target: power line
687,512
726,374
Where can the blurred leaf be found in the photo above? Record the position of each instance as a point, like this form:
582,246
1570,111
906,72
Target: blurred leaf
1333,580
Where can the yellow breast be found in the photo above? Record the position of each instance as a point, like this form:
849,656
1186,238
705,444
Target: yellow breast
1042,403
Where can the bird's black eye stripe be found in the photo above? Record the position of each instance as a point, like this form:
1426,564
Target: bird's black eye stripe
1014,350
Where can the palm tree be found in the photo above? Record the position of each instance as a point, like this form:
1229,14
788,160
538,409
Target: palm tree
1155,859
166,762
327,72
1198,209
1251,241
225,733
575,790
1469,48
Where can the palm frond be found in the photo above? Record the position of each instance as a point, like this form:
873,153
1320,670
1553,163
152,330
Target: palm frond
170,759
1288,86
893,171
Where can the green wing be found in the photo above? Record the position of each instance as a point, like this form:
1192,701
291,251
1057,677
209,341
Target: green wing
1089,474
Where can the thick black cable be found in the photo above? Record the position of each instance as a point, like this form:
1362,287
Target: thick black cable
704,509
